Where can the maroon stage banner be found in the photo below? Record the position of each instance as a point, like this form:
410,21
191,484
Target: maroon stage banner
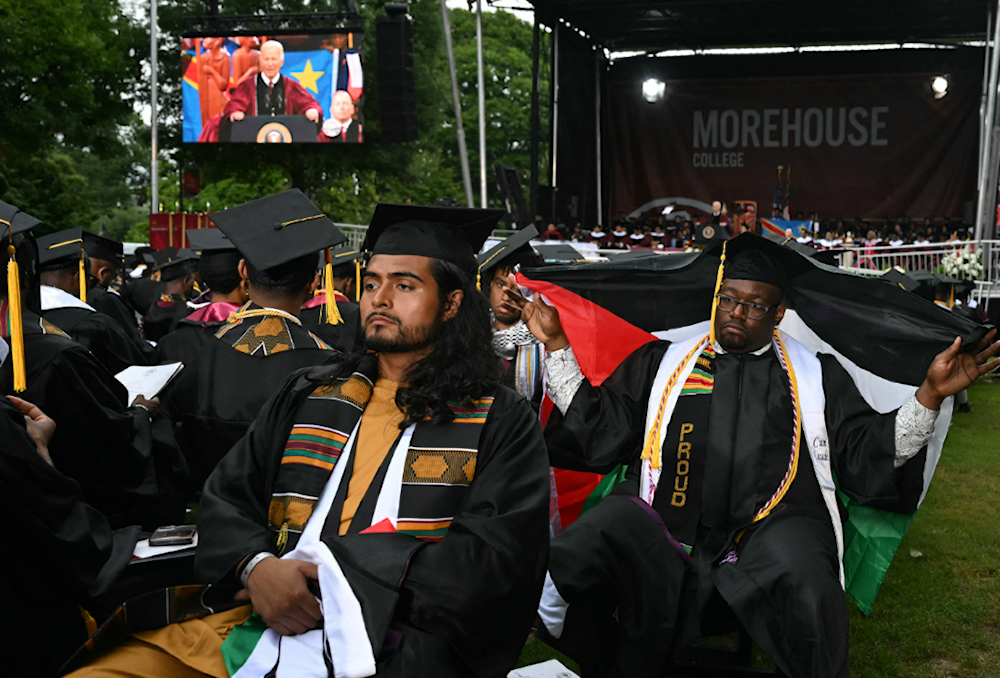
858,146
169,229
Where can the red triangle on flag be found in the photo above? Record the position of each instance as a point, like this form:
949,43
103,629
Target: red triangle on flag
384,526
600,339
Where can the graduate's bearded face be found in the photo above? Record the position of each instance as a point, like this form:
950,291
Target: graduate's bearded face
401,309
738,333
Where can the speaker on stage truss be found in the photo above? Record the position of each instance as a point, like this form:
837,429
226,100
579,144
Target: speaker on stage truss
397,102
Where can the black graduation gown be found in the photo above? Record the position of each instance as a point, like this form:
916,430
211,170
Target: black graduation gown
102,336
61,546
344,336
128,467
163,315
466,604
185,341
785,587
111,304
220,390
142,293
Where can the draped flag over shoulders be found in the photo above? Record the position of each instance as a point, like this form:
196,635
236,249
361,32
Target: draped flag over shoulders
884,337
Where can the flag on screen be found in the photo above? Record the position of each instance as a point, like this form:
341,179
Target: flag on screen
313,69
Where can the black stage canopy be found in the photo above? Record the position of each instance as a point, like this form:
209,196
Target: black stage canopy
702,24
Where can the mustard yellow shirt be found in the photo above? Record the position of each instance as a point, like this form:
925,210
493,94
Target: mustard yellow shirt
379,430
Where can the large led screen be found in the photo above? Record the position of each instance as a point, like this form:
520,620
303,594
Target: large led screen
273,89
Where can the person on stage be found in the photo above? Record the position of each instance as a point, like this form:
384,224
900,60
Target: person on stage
386,515
728,512
269,93
341,126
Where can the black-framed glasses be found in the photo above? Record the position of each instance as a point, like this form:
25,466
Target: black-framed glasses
750,309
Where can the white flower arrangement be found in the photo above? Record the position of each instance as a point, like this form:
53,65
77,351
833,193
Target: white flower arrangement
963,264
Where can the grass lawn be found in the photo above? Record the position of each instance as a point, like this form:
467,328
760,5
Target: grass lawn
938,612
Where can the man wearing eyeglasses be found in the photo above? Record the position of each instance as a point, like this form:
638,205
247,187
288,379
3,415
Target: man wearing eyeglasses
728,515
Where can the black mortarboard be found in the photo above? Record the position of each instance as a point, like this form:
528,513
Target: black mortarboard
12,216
278,229
145,255
209,240
452,234
60,250
791,243
496,255
771,263
560,252
175,266
631,255
899,277
106,249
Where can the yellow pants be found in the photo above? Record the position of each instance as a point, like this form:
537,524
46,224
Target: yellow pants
188,650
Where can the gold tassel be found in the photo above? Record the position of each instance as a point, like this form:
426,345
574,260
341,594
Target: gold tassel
16,331
357,280
715,297
83,281
332,312
479,279
88,621
951,300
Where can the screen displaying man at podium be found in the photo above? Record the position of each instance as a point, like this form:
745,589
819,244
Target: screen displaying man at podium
283,93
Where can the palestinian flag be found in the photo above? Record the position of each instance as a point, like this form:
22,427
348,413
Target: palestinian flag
883,336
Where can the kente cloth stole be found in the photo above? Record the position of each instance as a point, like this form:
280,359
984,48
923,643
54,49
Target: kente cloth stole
685,446
440,462
264,331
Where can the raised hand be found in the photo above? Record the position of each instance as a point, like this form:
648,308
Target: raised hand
542,321
952,371
279,591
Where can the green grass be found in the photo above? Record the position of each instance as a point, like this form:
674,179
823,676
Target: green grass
937,614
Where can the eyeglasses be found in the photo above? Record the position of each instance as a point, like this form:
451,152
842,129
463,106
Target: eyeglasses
751,310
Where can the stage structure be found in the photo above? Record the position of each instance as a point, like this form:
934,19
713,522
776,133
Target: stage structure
885,132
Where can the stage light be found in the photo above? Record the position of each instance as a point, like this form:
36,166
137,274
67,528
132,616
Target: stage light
653,90
939,86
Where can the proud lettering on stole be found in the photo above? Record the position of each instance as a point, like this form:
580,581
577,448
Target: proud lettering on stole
679,497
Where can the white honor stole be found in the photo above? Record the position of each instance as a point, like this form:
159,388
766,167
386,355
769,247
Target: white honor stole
812,403
344,635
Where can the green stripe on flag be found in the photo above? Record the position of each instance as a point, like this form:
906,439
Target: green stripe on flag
240,643
604,488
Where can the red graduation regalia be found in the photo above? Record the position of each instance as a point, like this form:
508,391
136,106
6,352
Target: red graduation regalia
244,99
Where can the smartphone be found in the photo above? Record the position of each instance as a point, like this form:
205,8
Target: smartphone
173,535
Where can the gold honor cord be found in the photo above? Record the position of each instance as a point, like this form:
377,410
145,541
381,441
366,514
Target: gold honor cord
14,306
83,280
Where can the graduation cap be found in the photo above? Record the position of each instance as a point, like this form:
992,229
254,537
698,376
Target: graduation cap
504,250
62,250
276,230
452,234
14,222
209,240
347,261
106,249
560,252
175,264
897,276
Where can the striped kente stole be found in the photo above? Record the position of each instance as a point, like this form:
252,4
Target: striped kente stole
440,462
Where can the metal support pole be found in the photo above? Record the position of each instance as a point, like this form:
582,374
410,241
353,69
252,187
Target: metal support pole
535,131
983,128
154,165
555,116
463,151
482,102
597,135
988,191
